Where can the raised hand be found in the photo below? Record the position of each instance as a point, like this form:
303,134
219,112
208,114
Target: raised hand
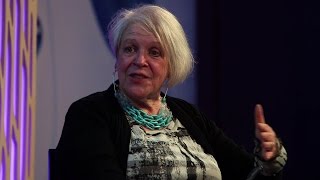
266,135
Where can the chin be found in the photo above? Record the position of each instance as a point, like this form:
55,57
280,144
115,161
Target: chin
136,92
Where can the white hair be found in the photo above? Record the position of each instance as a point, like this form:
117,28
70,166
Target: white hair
166,28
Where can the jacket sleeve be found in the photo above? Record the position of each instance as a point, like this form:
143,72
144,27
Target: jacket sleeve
234,161
86,149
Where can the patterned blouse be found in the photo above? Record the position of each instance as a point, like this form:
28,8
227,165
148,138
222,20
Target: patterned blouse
169,153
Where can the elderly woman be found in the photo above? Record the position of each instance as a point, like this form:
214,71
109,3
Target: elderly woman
134,131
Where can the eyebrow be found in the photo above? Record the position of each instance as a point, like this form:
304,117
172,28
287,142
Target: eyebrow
130,40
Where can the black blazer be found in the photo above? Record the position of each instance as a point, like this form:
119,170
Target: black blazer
95,140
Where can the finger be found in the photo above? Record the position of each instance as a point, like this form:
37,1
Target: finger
269,150
266,137
264,127
268,146
259,116
268,155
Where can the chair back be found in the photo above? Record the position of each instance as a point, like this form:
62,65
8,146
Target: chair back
52,164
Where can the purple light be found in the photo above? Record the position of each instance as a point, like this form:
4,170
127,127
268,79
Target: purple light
16,67
31,55
29,139
1,170
30,86
23,116
2,27
1,105
3,166
13,158
16,61
7,103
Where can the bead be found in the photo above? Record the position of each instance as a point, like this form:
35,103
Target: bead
161,120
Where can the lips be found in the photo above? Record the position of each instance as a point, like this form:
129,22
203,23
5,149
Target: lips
138,75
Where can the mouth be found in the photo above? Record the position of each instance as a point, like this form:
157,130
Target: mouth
138,76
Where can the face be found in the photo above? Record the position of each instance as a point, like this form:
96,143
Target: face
141,64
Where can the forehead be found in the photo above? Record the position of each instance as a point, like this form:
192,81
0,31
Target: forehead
138,31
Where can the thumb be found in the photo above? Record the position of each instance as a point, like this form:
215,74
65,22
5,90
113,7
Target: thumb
258,113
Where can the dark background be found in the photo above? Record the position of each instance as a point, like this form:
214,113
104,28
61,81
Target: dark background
263,52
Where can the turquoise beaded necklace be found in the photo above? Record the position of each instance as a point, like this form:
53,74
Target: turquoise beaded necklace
154,122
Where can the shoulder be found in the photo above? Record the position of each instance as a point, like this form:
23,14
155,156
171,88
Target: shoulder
180,105
99,101
193,118
99,109
93,99
187,113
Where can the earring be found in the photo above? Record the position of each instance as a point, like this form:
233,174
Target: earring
165,85
165,95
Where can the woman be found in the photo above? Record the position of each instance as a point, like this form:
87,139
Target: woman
133,131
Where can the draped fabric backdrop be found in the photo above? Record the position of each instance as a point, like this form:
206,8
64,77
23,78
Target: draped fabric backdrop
18,62
263,52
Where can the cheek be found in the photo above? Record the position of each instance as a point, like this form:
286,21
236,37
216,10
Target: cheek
122,64
120,68
161,73
165,70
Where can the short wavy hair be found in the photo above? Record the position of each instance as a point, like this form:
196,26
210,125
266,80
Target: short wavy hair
166,28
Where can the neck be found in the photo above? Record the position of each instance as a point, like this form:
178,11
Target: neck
150,105
151,114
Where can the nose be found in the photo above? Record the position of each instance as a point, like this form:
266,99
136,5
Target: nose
140,59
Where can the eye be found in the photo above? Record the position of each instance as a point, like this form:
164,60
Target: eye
129,49
154,52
